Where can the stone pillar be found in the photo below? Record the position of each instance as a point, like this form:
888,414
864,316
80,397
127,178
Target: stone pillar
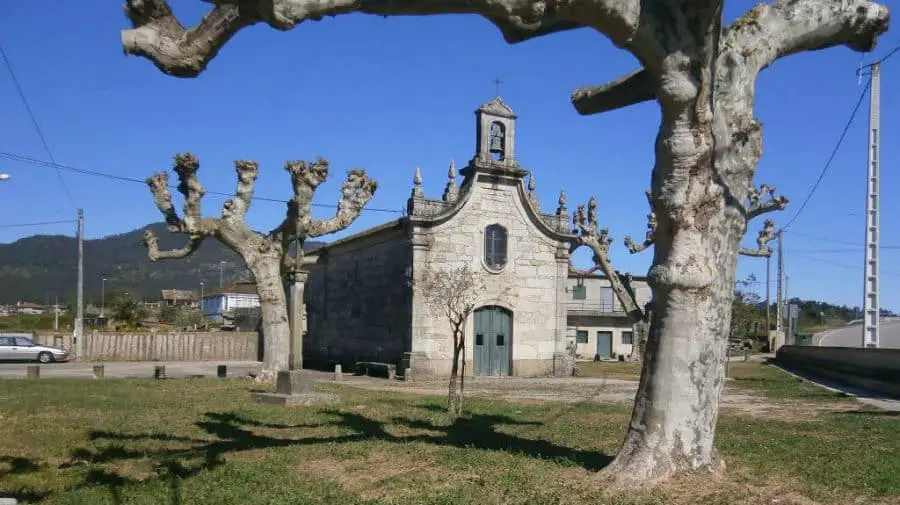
297,315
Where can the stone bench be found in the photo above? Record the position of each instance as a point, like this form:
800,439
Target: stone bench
366,367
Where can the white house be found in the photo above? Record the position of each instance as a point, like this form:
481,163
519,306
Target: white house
221,303
597,320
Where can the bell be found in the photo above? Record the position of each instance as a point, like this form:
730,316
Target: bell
497,143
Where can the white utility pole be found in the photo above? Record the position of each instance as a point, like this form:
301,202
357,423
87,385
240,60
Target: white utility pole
871,313
779,300
79,314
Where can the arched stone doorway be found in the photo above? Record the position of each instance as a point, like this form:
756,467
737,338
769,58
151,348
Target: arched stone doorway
493,340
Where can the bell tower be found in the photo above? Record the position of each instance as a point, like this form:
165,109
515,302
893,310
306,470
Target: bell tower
496,129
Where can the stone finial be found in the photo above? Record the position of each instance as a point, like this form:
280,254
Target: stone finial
451,192
417,184
562,210
532,196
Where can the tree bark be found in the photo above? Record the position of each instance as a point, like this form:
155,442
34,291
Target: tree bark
454,397
273,310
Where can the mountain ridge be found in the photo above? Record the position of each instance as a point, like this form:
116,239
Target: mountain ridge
40,268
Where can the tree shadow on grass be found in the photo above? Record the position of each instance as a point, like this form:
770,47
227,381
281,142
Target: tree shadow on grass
230,434
19,466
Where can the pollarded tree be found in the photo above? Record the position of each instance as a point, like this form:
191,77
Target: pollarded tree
265,254
589,234
452,294
703,77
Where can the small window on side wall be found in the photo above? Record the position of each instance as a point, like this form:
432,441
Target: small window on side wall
627,338
495,246
581,337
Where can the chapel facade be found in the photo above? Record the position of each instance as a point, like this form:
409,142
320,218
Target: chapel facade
362,306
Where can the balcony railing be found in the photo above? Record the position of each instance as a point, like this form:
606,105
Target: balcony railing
589,308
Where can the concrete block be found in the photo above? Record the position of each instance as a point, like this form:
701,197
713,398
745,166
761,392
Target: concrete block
159,372
98,371
300,399
33,372
338,373
293,382
222,371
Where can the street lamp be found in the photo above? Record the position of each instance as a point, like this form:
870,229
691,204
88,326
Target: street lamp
102,295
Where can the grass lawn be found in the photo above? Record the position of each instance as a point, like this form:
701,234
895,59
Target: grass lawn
202,441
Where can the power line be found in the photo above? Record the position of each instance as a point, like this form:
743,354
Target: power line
96,173
844,265
834,151
42,223
842,242
34,122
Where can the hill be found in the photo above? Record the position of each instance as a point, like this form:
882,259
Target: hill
42,267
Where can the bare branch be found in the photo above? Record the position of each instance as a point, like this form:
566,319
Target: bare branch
759,204
766,235
638,86
152,244
452,292
598,240
236,208
159,187
158,36
771,31
355,193
651,230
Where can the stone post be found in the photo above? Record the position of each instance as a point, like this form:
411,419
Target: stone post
33,372
98,371
222,371
159,372
297,315
338,373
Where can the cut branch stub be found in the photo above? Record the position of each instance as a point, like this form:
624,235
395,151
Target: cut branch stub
247,173
159,186
766,235
651,230
356,191
764,200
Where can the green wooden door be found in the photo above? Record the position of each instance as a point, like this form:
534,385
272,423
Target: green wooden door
604,344
493,341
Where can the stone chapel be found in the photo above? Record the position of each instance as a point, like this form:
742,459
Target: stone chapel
361,306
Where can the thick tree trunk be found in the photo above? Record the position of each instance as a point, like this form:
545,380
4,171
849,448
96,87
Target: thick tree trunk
273,308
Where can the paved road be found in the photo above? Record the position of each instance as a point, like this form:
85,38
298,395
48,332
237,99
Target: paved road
851,336
122,369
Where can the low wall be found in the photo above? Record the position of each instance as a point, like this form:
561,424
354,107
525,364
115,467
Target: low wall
168,346
877,370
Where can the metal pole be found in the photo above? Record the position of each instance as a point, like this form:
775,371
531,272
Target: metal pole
56,314
102,296
871,311
779,301
221,265
79,315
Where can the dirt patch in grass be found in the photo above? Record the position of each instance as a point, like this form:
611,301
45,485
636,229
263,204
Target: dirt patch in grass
381,474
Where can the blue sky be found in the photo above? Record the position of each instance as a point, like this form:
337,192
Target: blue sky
389,94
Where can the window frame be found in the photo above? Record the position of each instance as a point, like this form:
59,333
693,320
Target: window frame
579,333
489,247
630,338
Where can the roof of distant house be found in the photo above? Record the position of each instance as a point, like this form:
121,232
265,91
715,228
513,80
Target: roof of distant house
29,305
239,288
179,295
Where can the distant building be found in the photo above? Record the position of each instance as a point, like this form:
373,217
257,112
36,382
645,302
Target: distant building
176,297
219,305
29,308
596,318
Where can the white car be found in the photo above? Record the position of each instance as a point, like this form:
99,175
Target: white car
24,349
